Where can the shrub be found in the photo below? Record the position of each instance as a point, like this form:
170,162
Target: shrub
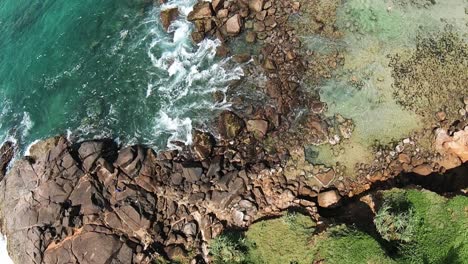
395,226
228,248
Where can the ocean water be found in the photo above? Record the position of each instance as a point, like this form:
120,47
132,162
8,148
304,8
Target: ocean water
92,69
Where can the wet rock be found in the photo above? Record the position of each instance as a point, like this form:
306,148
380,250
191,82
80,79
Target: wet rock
197,37
250,37
241,58
202,144
329,198
229,125
7,151
257,126
269,65
201,10
167,16
233,25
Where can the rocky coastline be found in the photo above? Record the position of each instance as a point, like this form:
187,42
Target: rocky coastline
97,202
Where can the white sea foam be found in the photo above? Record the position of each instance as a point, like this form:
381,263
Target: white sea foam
25,125
4,257
187,73
28,148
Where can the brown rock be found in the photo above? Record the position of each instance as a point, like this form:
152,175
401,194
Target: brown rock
269,65
233,25
456,144
201,10
256,5
258,26
222,51
270,21
217,4
241,58
296,6
167,16
404,158
7,152
223,13
197,37
329,198
261,15
250,37
441,116
202,144
229,124
257,126
423,169
326,178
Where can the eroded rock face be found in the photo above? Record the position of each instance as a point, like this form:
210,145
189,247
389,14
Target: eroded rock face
94,203
7,151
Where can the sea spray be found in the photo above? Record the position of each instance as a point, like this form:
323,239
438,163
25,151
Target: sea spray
108,69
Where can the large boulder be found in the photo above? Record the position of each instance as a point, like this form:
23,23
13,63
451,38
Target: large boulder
201,10
328,198
167,16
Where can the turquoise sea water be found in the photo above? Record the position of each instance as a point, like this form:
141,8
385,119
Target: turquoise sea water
104,68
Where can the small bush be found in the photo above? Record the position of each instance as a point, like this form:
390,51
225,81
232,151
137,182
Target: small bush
395,226
229,249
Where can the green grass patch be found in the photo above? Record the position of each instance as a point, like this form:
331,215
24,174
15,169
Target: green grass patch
284,240
441,235
346,245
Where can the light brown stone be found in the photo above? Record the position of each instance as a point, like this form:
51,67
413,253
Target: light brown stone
423,170
328,198
233,25
256,5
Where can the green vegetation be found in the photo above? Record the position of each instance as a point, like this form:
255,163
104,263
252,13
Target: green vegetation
395,220
346,245
441,235
228,248
414,226
283,240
